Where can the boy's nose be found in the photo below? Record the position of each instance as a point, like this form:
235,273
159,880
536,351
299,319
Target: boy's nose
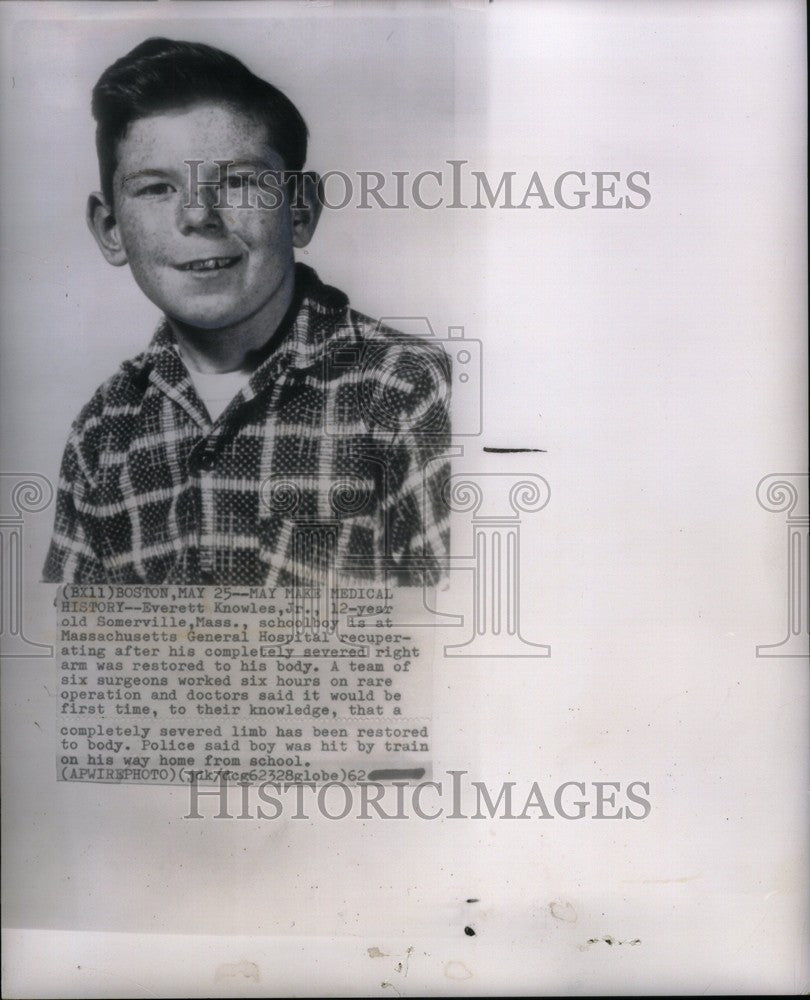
199,210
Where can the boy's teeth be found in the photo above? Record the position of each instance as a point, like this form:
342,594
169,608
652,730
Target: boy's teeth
209,265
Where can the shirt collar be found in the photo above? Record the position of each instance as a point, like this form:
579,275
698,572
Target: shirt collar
317,317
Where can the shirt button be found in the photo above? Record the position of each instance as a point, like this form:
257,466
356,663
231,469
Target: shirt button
207,460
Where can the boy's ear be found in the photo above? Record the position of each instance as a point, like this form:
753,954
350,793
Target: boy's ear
101,220
306,207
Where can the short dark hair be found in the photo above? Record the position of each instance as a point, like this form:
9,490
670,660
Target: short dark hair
161,74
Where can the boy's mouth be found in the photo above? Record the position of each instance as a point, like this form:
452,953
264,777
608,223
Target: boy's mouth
209,264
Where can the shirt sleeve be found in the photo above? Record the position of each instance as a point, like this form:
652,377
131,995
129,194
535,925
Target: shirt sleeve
71,557
416,516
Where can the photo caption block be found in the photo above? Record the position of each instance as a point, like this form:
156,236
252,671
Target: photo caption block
160,683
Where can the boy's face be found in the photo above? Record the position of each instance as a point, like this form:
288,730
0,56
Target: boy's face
208,265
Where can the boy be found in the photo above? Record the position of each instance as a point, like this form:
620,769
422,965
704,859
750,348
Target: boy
269,432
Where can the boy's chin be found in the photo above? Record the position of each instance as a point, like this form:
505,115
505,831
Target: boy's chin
208,322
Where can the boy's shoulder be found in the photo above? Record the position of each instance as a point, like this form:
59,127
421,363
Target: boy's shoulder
406,372
107,418
119,391
366,331
381,332
401,380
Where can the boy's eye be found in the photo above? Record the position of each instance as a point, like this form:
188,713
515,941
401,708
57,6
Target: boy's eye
155,189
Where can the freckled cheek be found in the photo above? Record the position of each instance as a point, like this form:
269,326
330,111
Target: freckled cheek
260,227
147,247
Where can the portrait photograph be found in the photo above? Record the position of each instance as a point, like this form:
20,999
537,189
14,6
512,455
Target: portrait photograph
403,497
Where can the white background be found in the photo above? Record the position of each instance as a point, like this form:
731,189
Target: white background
659,358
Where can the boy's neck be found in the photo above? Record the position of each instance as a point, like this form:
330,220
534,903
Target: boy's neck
240,348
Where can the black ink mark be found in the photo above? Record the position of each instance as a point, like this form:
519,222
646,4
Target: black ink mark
469,932
611,940
473,899
404,773
512,451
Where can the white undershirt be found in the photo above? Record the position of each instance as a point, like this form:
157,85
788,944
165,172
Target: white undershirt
217,389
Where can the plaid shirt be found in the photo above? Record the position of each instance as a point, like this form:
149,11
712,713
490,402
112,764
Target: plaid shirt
332,455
